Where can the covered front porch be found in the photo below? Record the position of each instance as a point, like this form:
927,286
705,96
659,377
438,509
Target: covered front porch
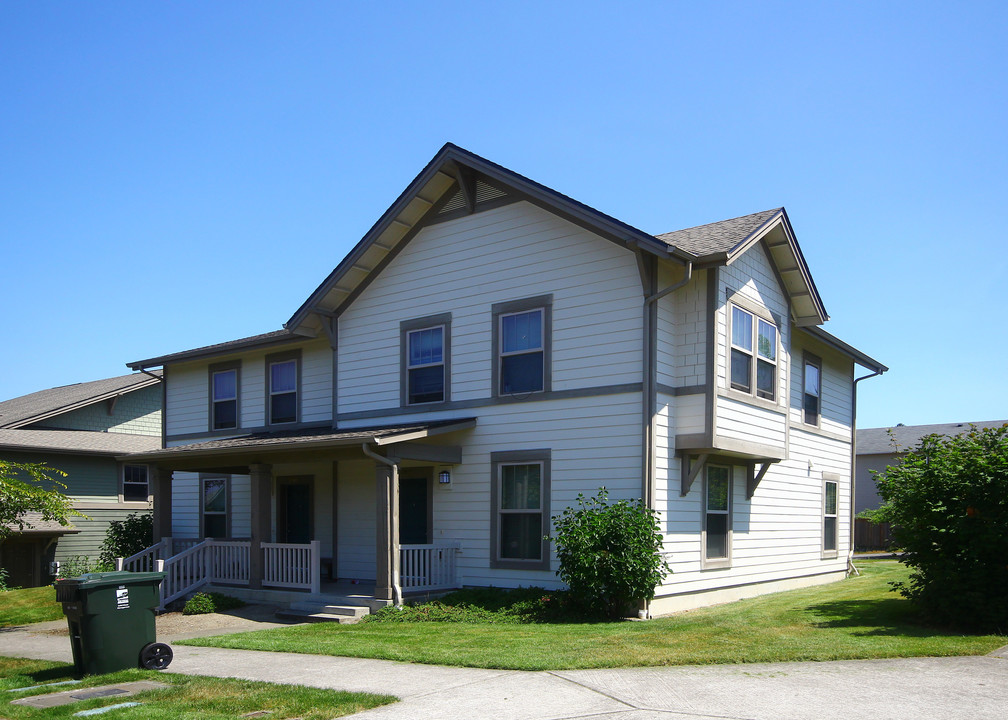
313,512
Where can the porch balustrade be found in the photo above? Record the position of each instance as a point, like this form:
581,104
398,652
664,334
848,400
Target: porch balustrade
290,565
428,567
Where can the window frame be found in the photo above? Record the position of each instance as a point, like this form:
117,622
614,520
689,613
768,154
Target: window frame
123,482
406,327
270,361
753,352
716,563
502,459
830,479
213,370
809,359
543,303
203,477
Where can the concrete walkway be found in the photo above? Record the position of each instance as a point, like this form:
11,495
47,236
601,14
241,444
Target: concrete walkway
939,688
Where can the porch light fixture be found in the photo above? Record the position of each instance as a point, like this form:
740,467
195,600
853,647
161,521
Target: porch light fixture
444,478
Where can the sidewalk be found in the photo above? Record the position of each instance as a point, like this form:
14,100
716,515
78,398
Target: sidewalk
939,688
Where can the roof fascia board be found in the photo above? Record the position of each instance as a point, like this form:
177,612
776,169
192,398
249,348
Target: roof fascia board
231,349
837,344
10,447
146,382
424,432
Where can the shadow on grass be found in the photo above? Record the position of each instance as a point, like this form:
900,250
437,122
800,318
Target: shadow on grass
881,617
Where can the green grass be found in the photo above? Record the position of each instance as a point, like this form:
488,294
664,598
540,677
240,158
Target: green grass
187,698
30,605
857,618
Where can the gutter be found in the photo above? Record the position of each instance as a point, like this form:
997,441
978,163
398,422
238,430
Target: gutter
851,569
393,536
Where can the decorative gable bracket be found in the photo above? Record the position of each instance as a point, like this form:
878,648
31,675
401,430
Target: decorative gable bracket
693,465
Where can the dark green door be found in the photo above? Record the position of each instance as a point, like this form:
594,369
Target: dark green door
413,511
296,502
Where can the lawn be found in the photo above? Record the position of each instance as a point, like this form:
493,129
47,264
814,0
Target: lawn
857,618
188,698
30,605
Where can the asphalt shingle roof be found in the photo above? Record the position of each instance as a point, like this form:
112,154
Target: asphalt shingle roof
878,441
36,406
78,441
271,338
717,237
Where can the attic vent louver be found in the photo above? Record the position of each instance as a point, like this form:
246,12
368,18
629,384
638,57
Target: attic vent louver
484,193
457,201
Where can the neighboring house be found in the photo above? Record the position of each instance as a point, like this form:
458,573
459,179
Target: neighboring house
489,350
878,448
80,429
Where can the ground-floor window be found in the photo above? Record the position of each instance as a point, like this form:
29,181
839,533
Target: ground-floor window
830,534
717,516
214,506
520,500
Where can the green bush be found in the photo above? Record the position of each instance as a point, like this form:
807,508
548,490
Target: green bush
947,500
127,537
610,554
204,603
77,565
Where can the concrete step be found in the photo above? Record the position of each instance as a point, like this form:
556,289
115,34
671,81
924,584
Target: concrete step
319,612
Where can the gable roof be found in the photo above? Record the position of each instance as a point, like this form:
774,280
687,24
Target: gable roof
878,441
44,404
85,442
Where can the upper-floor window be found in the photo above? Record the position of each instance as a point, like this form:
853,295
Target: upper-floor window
282,388
135,486
522,346
753,354
811,389
223,397
426,368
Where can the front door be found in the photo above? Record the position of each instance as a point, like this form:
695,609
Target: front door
294,512
414,511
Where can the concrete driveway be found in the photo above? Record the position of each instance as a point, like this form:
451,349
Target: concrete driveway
939,688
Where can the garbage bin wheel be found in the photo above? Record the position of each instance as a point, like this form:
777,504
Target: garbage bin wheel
155,656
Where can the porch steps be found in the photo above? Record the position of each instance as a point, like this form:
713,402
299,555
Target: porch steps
308,611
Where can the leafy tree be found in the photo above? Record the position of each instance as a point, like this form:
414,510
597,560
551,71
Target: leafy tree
610,553
947,500
126,537
31,488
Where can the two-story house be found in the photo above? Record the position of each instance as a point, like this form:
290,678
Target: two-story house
490,349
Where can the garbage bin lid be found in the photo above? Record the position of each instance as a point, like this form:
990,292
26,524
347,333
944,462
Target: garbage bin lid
103,579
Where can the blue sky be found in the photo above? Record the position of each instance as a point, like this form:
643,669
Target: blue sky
179,174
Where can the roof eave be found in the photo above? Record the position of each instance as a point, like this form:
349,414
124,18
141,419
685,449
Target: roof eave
147,381
837,344
201,353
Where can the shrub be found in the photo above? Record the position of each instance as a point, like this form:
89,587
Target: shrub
204,603
485,606
3,580
610,554
947,500
127,537
77,565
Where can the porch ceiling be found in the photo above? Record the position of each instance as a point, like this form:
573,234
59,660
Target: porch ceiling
235,454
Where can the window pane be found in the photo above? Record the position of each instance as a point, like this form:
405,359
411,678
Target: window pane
830,533
521,536
717,536
225,414
283,376
767,341
135,474
741,328
811,409
225,385
135,492
521,373
766,379
214,495
831,498
283,408
520,487
426,346
426,384
741,365
522,331
215,526
811,380
717,488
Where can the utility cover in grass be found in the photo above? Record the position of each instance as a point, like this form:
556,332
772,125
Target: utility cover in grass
71,696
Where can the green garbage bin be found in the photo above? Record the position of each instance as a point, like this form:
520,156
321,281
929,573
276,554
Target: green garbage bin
111,620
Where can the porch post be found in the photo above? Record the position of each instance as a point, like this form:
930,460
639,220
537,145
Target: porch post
387,545
261,481
160,481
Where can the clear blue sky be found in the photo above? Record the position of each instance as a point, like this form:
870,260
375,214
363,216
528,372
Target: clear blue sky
179,174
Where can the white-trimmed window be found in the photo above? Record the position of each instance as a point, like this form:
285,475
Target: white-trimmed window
520,521
811,389
717,516
830,532
135,486
753,354
425,365
214,506
224,398
282,381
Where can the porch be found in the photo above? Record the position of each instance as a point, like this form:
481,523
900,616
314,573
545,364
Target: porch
346,521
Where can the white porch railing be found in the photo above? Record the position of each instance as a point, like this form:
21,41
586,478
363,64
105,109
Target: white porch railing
428,567
290,565
225,561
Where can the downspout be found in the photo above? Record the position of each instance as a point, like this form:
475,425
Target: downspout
851,570
396,589
649,391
